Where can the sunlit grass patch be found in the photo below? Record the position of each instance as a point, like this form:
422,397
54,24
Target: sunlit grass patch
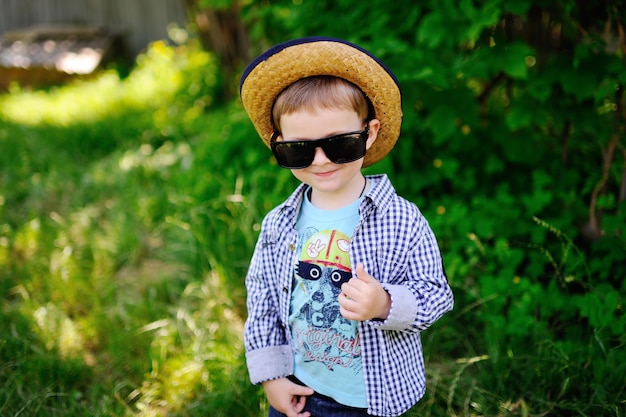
81,101
159,75
196,353
85,264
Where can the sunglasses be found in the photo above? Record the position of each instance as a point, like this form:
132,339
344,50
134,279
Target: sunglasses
340,149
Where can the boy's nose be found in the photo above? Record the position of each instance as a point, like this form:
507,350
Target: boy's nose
320,157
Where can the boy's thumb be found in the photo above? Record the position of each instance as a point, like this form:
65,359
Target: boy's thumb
362,275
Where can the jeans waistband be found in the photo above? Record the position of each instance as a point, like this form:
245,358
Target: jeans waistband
295,380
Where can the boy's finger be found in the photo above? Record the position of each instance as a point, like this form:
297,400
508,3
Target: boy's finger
299,390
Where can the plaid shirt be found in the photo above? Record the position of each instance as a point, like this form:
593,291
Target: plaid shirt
396,245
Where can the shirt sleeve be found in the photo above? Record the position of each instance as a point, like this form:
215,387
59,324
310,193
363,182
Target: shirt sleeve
268,354
413,275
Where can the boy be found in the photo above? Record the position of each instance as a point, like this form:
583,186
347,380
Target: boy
345,274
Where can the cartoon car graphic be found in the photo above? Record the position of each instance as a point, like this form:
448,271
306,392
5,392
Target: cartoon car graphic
326,253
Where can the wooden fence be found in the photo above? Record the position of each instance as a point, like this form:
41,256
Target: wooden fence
139,21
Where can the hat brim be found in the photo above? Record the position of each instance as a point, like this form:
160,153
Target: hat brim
291,61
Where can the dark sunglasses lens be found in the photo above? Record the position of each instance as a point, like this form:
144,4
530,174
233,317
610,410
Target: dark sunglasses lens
293,154
342,149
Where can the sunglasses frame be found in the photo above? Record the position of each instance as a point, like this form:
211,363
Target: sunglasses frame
309,146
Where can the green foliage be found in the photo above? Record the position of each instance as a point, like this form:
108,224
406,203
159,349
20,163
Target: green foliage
129,209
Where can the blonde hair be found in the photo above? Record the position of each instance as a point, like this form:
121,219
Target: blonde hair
321,91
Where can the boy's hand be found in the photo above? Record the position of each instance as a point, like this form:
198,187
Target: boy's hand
363,298
287,397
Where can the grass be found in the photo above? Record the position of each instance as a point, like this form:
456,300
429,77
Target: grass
128,212
111,305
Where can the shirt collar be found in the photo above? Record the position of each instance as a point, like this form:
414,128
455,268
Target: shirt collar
381,191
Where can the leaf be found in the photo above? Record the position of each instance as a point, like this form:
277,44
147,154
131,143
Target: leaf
513,60
540,89
442,123
580,84
432,30
479,18
536,202
519,117
519,8
525,113
433,76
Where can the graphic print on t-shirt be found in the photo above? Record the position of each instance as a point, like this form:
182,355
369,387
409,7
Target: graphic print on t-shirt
321,334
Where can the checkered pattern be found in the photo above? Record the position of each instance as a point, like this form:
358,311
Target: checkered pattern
396,245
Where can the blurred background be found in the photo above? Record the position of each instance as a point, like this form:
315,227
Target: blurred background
132,186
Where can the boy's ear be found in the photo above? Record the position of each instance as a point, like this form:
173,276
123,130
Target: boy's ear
374,126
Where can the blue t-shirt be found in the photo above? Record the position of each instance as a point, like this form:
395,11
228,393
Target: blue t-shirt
327,346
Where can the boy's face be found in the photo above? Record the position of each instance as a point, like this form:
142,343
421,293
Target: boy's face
325,177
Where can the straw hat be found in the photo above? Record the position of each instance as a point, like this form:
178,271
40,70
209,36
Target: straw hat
285,63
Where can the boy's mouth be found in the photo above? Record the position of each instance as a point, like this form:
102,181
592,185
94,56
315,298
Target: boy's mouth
325,173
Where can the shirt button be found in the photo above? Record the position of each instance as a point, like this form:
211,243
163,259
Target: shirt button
292,247
285,290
